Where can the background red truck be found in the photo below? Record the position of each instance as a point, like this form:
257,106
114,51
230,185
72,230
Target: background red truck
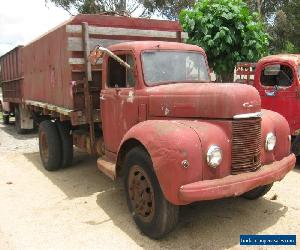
150,112
277,79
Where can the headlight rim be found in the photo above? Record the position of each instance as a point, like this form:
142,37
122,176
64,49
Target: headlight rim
209,153
269,136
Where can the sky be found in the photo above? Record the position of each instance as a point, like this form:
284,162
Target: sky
21,21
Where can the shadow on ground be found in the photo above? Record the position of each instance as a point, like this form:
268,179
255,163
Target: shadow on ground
80,180
11,130
211,224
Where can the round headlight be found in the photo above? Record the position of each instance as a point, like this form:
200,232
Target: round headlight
270,141
214,156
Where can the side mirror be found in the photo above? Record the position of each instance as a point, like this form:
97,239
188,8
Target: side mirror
98,52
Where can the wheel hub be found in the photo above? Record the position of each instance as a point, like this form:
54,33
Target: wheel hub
141,193
44,146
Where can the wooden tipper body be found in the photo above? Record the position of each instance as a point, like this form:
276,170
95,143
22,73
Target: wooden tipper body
56,69
11,75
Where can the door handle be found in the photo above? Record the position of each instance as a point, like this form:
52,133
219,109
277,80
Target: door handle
102,98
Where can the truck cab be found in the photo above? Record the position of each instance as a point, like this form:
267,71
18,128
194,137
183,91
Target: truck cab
277,79
178,138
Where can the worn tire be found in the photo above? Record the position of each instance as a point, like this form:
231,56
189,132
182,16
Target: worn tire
50,146
5,118
257,192
164,215
64,129
18,122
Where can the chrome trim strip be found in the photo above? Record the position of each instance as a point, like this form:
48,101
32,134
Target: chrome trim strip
248,115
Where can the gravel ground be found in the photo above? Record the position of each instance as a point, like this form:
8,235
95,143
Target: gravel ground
80,208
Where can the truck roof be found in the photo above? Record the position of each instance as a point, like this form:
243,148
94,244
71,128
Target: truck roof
291,58
138,46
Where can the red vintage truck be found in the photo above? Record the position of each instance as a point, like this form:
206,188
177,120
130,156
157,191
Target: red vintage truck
277,79
150,112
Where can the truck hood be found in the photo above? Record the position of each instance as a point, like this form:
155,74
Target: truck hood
203,100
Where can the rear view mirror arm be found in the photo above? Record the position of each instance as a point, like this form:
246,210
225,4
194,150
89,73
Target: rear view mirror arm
98,52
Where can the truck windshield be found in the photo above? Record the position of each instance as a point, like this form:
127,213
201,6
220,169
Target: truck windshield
174,66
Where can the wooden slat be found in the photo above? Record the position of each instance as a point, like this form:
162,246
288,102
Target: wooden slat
76,44
184,35
86,48
81,61
48,106
112,31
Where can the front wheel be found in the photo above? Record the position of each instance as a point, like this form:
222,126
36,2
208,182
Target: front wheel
257,192
153,214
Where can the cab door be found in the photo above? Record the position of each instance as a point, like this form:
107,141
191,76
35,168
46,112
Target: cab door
119,105
277,85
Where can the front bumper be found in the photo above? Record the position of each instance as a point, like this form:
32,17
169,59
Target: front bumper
235,185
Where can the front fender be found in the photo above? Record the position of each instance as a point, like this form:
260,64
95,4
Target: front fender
169,143
276,123
214,133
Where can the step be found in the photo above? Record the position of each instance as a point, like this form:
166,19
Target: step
107,167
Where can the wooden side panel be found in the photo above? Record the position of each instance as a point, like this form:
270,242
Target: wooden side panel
11,75
47,71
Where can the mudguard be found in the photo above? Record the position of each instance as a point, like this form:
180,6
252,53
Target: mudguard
170,143
276,123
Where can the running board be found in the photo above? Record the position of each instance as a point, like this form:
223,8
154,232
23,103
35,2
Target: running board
107,167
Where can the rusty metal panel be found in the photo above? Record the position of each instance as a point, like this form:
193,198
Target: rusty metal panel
47,74
12,75
246,145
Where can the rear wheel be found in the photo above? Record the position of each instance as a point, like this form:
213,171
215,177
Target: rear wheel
64,129
5,117
153,214
296,145
50,146
257,192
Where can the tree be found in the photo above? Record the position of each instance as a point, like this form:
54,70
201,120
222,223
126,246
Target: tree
166,8
227,31
293,17
266,8
282,21
97,6
279,31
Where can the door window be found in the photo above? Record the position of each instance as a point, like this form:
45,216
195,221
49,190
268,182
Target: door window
118,75
277,75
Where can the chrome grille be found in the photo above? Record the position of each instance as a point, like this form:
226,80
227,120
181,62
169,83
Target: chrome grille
246,145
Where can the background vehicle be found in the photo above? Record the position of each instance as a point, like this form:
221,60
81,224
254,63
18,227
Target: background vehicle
11,80
151,114
277,79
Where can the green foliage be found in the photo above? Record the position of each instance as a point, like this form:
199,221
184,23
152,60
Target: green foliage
166,8
292,10
266,8
97,6
227,31
282,19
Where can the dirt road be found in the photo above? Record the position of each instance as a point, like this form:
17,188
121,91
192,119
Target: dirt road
80,208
